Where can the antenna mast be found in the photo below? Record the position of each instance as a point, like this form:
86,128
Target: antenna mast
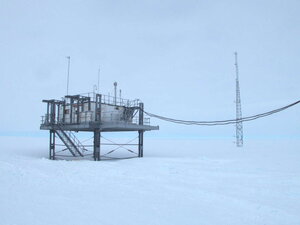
239,123
115,97
68,57
98,79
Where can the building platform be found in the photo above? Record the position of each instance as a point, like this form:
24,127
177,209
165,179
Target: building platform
102,127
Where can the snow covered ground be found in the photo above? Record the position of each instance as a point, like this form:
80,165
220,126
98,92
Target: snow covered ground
177,182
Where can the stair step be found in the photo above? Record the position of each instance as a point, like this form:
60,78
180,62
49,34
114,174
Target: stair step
66,138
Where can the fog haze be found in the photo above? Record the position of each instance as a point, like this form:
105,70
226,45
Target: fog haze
176,56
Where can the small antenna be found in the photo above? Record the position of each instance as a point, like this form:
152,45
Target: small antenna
94,88
98,79
69,59
115,97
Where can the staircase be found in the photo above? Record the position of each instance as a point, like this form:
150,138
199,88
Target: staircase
71,142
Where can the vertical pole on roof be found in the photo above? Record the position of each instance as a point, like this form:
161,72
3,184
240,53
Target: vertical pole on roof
82,101
47,115
89,104
98,79
115,97
69,58
64,111
98,107
58,112
77,111
71,110
52,112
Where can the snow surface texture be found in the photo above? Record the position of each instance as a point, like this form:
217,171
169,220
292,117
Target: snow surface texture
177,182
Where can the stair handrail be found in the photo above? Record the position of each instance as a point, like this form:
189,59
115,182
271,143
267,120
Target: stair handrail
72,138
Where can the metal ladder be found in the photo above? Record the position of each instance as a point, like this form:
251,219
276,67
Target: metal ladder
71,142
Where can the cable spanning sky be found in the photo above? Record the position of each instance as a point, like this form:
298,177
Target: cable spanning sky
223,122
176,56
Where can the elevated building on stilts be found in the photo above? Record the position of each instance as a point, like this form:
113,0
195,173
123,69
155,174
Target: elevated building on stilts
94,113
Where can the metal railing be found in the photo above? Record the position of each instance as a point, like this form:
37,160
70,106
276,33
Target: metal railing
111,100
106,117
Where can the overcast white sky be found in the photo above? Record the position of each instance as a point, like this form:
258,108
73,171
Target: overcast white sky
177,56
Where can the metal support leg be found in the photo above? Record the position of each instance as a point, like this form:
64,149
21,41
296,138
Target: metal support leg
141,132
141,143
97,145
52,145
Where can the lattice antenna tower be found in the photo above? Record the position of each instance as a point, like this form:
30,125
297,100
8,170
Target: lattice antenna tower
239,123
